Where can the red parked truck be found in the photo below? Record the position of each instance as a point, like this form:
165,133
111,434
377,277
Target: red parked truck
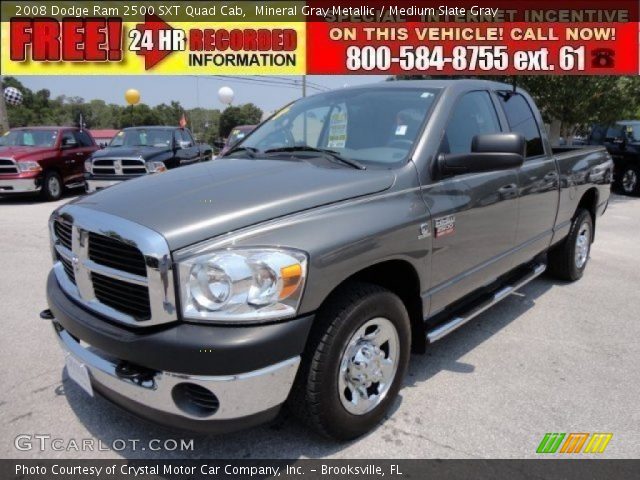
43,160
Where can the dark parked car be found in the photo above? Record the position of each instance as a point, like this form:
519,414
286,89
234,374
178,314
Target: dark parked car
138,151
303,267
236,135
622,140
43,160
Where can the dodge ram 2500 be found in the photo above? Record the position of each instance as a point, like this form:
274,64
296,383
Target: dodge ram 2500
43,160
303,266
139,151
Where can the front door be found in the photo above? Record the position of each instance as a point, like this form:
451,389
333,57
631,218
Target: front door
73,156
474,215
188,151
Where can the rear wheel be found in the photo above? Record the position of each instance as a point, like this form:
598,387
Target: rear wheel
629,182
568,260
52,186
355,362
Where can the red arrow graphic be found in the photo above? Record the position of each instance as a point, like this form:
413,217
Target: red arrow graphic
153,56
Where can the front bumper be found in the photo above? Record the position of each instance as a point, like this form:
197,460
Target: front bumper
94,185
249,369
20,185
249,398
93,182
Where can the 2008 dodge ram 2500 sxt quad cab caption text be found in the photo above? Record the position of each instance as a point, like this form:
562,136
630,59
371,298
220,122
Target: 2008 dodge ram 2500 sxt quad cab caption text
349,229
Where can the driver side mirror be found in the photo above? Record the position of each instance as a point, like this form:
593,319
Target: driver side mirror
489,152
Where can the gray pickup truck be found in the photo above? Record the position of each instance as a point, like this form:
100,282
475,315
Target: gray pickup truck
304,266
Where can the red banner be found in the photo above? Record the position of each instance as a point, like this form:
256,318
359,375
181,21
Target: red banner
500,38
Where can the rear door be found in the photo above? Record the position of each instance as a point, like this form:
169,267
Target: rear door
538,180
474,215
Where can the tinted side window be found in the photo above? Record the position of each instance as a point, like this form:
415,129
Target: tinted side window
473,115
69,139
521,120
83,139
183,136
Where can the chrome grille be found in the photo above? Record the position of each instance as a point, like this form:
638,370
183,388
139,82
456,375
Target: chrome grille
68,268
113,266
119,166
123,296
63,232
116,254
8,167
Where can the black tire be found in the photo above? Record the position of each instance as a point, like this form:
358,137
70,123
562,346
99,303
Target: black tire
52,186
563,263
628,181
315,397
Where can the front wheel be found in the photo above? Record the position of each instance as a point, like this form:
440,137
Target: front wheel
355,362
52,186
568,260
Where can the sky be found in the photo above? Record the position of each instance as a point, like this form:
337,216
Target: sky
190,91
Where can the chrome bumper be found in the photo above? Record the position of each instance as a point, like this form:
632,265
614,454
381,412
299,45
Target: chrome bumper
20,185
95,185
239,395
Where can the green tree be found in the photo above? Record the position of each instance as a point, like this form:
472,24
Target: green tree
38,108
204,123
247,114
169,114
139,115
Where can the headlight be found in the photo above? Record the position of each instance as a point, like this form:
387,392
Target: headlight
88,163
243,285
29,167
156,167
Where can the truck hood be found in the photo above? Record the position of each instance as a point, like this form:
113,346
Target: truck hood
130,152
25,153
191,204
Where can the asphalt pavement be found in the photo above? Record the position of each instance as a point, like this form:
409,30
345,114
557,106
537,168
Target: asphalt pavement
555,357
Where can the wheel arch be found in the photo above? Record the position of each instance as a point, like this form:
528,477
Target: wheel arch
401,278
589,202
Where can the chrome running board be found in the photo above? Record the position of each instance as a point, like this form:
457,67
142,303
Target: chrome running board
446,328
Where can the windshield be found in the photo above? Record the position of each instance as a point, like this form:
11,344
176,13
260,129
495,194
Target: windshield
236,135
632,131
29,138
373,126
143,137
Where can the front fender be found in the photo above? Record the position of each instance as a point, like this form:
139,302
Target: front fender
345,238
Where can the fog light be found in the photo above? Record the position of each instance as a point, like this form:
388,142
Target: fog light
195,399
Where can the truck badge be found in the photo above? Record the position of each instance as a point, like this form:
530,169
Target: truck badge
445,226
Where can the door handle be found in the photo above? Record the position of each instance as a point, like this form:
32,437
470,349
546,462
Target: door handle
508,191
79,153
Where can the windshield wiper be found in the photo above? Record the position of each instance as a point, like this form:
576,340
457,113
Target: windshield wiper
250,151
331,153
